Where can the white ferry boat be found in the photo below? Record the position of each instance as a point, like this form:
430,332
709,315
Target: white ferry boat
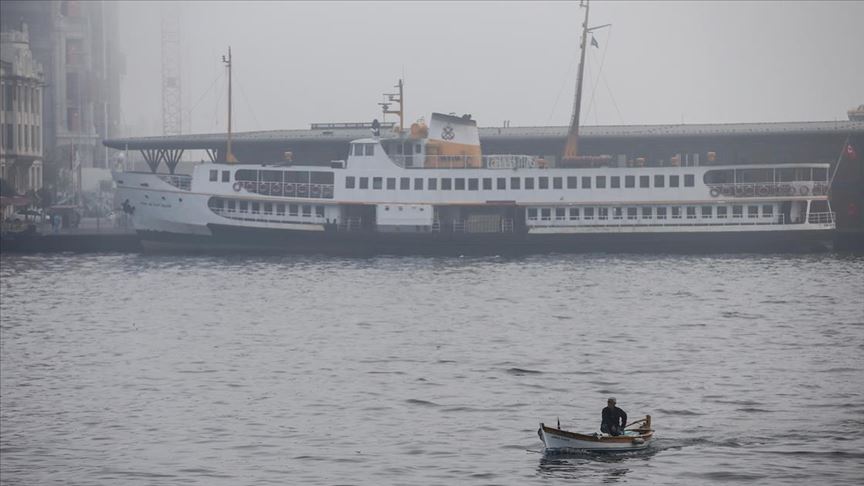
432,191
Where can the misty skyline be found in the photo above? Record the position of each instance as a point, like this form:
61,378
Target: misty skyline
297,63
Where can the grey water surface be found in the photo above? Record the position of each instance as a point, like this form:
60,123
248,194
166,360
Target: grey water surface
141,369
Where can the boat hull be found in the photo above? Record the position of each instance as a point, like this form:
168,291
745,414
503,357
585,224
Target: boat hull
556,440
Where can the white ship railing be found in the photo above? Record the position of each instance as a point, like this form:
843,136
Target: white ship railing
769,189
505,161
736,220
822,218
287,189
183,182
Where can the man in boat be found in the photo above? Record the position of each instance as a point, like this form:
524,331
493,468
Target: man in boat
614,419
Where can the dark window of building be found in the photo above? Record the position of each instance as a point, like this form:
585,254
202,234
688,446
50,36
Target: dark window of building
487,184
674,180
644,181
543,182
659,180
405,183
502,183
377,183
615,182
418,183
473,184
529,183
586,183
514,183
601,182
688,180
460,184
364,183
349,182
572,182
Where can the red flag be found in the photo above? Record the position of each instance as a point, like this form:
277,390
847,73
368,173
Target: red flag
850,152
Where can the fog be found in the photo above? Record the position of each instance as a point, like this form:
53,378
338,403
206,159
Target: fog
662,62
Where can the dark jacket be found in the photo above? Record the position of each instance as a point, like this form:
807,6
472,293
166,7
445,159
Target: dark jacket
612,416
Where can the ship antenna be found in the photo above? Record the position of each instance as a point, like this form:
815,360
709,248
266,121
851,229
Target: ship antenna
229,155
395,98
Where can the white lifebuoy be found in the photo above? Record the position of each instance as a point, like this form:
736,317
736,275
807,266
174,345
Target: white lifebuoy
804,190
237,186
715,192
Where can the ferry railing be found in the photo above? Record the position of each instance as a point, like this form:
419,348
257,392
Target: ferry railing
287,189
769,189
183,182
822,218
631,221
503,161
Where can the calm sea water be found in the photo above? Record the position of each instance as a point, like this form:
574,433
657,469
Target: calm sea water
136,369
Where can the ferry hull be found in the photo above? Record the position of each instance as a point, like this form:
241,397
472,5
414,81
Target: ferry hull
237,238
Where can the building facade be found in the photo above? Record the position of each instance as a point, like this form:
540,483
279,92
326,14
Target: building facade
21,85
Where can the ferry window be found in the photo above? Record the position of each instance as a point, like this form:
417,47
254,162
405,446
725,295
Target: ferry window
691,212
688,180
631,213
364,183
358,149
226,176
588,213
370,148
246,175
446,184
232,206
601,182
418,149
532,214
721,211
603,213
418,183
487,183
629,181
244,207
574,213
586,183
377,182
543,182
545,214
320,178
432,184
560,214
214,175
271,176
256,208
752,211
768,211
473,184
615,182
644,181
617,213
349,182
673,180
529,183
215,203
676,213
280,209
706,212
661,213
502,184
557,183
319,211
572,182
659,180
459,182
268,208
737,211
301,177
292,209
514,183
405,183
391,183
646,212
307,211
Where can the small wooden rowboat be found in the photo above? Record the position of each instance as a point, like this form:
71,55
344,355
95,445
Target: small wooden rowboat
633,439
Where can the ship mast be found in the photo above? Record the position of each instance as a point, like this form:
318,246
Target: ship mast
395,98
229,155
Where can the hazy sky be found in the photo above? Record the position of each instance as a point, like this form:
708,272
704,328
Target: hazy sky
662,62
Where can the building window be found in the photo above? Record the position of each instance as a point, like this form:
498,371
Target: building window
226,176
418,183
603,214
572,182
617,213
532,214
560,214
676,212
688,180
644,181
752,211
659,180
673,180
557,183
487,184
391,183
459,183
350,182
646,212
529,183
432,184
214,175
473,184
280,209
364,183
319,211
768,211
721,212
501,183
574,214
661,213
543,182
601,182
514,183
293,209
706,212
691,212
446,184
586,183
545,213
615,182
377,183
629,181
632,213
307,211
404,183
737,211
588,213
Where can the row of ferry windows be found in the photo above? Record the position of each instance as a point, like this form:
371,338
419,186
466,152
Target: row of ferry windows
279,209
650,212
280,176
500,183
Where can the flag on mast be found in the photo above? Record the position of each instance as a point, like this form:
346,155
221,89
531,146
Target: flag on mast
594,42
